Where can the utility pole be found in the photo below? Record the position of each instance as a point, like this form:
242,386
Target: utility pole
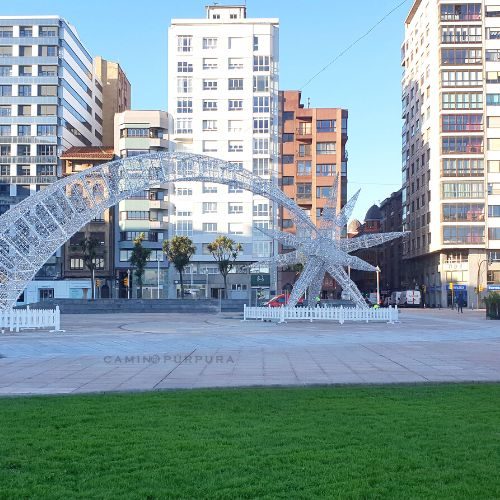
128,283
378,285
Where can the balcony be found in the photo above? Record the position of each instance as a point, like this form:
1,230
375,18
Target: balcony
27,179
158,224
159,204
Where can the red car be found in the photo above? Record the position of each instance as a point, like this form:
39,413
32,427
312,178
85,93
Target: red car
281,300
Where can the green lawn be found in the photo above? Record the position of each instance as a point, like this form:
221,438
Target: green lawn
400,442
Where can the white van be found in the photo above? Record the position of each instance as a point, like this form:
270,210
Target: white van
410,298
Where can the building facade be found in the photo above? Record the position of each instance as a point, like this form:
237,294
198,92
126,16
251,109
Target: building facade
116,93
50,100
451,149
223,96
138,132
101,229
312,155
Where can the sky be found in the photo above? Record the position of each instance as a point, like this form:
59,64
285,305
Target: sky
366,80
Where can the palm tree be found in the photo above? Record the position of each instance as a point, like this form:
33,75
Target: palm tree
139,259
179,251
225,251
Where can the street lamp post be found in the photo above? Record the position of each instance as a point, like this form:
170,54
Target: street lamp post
128,283
478,284
158,276
378,285
206,284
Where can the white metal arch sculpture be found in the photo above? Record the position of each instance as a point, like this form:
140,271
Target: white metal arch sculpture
36,227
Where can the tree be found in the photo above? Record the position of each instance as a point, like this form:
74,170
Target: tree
139,259
225,251
89,246
179,251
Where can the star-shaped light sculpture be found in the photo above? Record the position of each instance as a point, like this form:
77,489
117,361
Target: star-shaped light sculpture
321,249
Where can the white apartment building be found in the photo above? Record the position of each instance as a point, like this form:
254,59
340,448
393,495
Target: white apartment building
50,100
451,149
223,96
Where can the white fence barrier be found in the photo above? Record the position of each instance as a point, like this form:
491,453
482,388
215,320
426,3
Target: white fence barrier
19,319
340,314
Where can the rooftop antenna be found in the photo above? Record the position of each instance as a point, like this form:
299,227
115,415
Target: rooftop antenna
308,102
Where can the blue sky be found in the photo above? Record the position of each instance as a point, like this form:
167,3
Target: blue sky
366,80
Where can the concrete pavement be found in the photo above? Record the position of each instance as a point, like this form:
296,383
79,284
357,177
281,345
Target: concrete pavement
129,352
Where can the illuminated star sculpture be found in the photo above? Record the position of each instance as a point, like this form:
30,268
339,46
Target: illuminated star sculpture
321,249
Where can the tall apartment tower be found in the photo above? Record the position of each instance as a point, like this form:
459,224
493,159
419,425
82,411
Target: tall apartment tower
451,148
116,93
312,155
223,95
138,132
50,100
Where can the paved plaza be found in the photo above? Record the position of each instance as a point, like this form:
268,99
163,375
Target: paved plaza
134,352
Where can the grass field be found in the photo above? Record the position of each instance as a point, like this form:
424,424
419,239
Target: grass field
439,441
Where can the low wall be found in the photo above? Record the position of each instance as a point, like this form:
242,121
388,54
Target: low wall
104,306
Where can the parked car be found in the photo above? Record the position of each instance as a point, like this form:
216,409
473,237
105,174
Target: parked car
281,300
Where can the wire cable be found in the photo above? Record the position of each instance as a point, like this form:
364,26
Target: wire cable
338,56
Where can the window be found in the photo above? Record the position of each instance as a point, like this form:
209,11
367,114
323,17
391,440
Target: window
47,50
288,116
184,125
24,110
304,150
184,43
209,43
494,188
493,210
261,104
233,189
23,150
24,90
209,84
461,78
235,126
5,110
326,169
5,90
5,130
463,212
286,137
493,99
209,227
458,57
184,67
235,104
46,130
46,150
261,210
47,110
45,170
209,105
494,166
209,125
463,190
209,63
135,215
460,34
458,145
44,70
236,43
23,130
453,235
462,167
5,150
304,167
184,85
261,63
23,170
182,191
5,70
287,181
47,90
255,43
184,213
461,123
473,100
6,50
304,191
26,31
235,228
25,71
261,126
235,84
234,208
326,148
235,146
323,192
260,146
184,228
47,31
326,126
76,263
209,207
261,166
261,83
184,105
235,63
461,12
288,159
6,32
210,146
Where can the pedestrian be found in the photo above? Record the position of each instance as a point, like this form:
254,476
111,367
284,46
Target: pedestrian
460,304
318,301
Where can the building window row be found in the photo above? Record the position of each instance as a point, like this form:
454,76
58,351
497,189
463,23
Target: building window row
463,100
463,212
461,12
463,190
458,57
466,167
462,123
457,235
461,34
462,145
461,78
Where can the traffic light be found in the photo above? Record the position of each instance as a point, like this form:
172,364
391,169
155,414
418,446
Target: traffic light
481,288
451,287
125,282
98,283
